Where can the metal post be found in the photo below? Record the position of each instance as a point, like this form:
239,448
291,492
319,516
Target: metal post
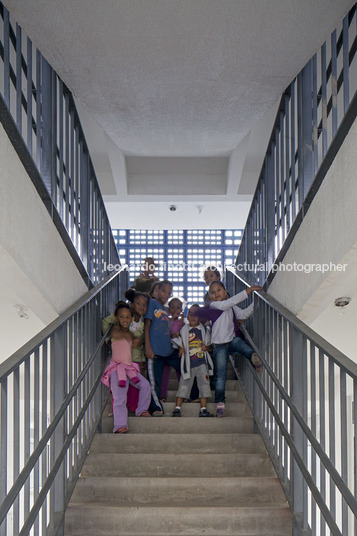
46,128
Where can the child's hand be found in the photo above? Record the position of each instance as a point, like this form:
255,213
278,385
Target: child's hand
136,342
149,353
253,288
180,352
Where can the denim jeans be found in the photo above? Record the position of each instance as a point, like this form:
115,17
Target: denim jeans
155,368
220,359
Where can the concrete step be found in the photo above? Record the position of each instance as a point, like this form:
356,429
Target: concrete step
232,395
177,465
192,409
173,382
184,425
178,443
231,385
89,519
213,491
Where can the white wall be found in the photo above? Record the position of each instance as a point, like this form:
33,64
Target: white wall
327,234
36,268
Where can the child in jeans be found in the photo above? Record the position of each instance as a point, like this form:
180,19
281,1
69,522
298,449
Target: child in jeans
122,372
223,313
194,342
158,347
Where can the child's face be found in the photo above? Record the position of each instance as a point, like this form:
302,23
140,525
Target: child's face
140,305
155,293
124,318
149,266
210,276
193,320
175,309
217,292
164,293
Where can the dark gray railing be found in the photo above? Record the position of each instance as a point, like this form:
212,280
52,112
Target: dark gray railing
304,405
50,406
39,115
314,116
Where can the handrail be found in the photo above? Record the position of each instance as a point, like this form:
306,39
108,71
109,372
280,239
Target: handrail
51,404
39,114
314,117
303,405
7,366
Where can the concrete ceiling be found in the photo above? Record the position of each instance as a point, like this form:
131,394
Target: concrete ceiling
177,97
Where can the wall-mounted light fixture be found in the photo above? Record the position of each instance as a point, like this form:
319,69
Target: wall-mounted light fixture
341,303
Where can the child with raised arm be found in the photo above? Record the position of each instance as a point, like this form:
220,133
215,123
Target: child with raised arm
223,313
194,342
158,347
122,372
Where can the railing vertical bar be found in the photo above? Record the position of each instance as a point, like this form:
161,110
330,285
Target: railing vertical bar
315,138
277,190
282,178
43,107
334,82
29,96
36,432
73,149
332,432
77,190
285,380
300,177
16,443
313,428
293,150
304,438
288,162
18,78
70,381
44,410
323,100
6,58
4,449
354,453
344,448
27,414
278,374
67,161
346,66
322,399
61,148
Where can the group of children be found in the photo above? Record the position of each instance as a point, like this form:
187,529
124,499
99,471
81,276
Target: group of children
149,337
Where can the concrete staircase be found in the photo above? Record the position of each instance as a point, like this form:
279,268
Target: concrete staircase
180,476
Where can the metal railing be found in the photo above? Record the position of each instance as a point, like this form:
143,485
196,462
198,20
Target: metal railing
314,117
39,114
304,405
51,402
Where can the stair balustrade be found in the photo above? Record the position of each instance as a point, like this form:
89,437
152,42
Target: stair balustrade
304,406
314,116
39,114
51,402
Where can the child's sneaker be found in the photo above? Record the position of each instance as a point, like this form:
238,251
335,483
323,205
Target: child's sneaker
257,362
176,412
220,409
205,413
